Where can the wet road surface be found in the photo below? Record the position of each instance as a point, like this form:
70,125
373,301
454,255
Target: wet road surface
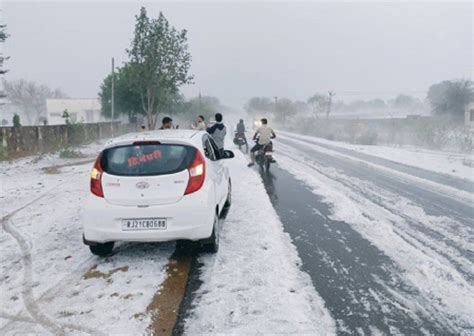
362,287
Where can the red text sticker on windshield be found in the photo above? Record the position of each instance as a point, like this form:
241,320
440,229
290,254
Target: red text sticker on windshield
136,160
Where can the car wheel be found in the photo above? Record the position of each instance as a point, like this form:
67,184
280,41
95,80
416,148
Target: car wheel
211,244
102,250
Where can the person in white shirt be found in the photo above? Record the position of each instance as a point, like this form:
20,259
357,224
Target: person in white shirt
200,125
263,136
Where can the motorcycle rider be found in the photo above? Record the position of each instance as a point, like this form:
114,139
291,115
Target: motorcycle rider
263,136
240,131
241,127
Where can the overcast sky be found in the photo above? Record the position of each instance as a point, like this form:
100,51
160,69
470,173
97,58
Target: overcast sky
358,49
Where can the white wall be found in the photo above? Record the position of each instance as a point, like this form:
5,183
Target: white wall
79,110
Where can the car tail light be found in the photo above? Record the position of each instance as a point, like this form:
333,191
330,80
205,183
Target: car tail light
96,178
197,172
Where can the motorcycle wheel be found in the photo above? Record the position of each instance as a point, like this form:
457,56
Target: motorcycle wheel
267,164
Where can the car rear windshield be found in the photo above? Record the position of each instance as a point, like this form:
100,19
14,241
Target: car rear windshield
147,159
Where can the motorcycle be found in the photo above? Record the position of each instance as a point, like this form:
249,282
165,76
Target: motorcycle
264,157
240,140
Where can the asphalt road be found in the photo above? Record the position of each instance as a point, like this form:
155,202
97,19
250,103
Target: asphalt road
363,288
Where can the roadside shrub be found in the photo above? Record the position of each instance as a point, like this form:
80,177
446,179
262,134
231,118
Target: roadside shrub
70,154
16,120
76,133
432,136
461,138
330,137
350,131
367,139
3,153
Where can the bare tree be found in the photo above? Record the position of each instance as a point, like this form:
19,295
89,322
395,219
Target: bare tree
318,103
3,37
30,98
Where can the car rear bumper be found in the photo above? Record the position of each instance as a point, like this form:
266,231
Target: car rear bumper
191,219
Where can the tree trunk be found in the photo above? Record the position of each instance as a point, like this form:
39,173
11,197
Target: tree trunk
152,116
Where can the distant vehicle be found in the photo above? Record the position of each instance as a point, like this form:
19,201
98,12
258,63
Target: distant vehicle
157,186
256,124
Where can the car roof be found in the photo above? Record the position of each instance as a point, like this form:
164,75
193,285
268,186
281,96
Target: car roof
172,135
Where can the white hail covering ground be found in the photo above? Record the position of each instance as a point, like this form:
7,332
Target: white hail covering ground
253,285
450,163
385,219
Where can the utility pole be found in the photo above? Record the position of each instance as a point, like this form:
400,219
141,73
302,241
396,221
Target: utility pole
200,102
112,102
331,94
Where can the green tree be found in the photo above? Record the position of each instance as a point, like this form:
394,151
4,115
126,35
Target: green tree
450,97
159,63
284,109
3,37
407,102
16,121
127,98
376,104
206,105
258,106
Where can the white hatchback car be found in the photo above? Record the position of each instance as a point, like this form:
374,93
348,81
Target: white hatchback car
157,186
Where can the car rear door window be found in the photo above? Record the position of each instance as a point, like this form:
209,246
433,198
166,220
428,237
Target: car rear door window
215,148
147,159
209,150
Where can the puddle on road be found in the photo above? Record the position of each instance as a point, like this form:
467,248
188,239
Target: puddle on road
94,273
165,305
56,169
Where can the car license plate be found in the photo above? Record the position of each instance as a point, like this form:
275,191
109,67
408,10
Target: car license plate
143,224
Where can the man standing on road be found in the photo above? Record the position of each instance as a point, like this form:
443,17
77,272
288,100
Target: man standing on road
263,136
218,132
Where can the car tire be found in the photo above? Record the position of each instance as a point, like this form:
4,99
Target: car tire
228,201
102,250
227,204
211,244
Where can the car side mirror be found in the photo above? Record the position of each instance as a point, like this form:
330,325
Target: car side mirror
227,154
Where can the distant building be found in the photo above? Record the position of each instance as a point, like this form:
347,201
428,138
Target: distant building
469,115
79,110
